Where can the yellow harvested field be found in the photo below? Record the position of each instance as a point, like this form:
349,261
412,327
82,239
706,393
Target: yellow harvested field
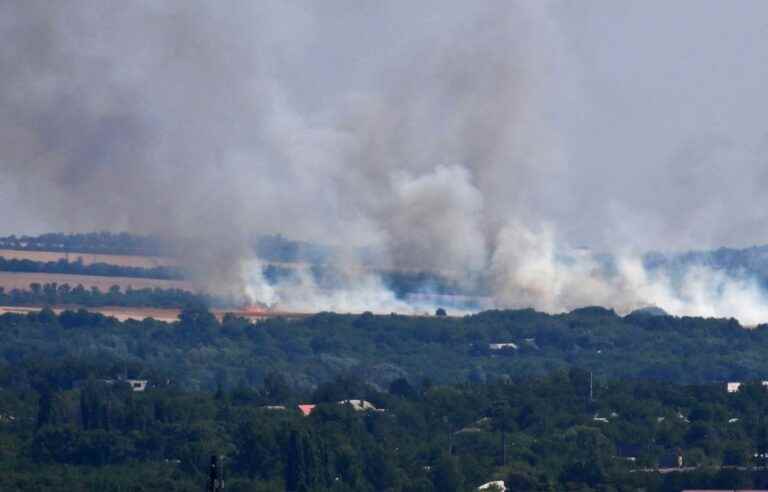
121,313
17,280
120,260
167,315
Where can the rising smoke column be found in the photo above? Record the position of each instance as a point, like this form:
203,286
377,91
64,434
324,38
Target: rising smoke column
200,122
438,134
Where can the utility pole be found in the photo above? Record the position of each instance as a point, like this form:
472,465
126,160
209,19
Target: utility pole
215,476
450,435
591,388
503,448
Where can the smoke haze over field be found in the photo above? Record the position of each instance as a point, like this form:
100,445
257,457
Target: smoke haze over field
473,138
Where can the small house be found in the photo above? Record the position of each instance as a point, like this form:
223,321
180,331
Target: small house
307,409
496,485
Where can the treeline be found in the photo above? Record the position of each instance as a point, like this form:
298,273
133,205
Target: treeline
121,243
77,267
325,276
76,425
54,294
280,249
748,263
200,351
401,283
316,259
268,247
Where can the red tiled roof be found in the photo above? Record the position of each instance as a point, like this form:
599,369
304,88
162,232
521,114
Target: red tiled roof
306,409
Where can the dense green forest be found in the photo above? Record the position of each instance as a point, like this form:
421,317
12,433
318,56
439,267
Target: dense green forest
71,425
584,401
199,350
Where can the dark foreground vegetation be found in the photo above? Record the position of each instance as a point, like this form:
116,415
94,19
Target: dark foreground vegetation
67,425
198,350
584,401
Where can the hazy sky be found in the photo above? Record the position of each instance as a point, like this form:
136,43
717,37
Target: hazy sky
673,117
624,124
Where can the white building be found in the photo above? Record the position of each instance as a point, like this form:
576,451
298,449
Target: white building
360,405
734,387
497,485
501,346
137,384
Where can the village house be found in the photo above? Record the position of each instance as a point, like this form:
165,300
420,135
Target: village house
735,386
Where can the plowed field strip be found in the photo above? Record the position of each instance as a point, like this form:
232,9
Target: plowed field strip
87,258
18,280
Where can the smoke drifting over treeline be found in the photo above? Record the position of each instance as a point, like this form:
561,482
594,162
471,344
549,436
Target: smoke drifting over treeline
479,139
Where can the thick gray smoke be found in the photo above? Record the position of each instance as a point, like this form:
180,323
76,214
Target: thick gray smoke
470,138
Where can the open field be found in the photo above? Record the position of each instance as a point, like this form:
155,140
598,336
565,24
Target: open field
21,280
87,258
120,313
168,315
157,261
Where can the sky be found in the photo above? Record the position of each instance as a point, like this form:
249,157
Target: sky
655,108
448,135
673,117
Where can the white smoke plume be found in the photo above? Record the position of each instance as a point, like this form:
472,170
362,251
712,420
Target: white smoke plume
479,140
532,269
358,292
